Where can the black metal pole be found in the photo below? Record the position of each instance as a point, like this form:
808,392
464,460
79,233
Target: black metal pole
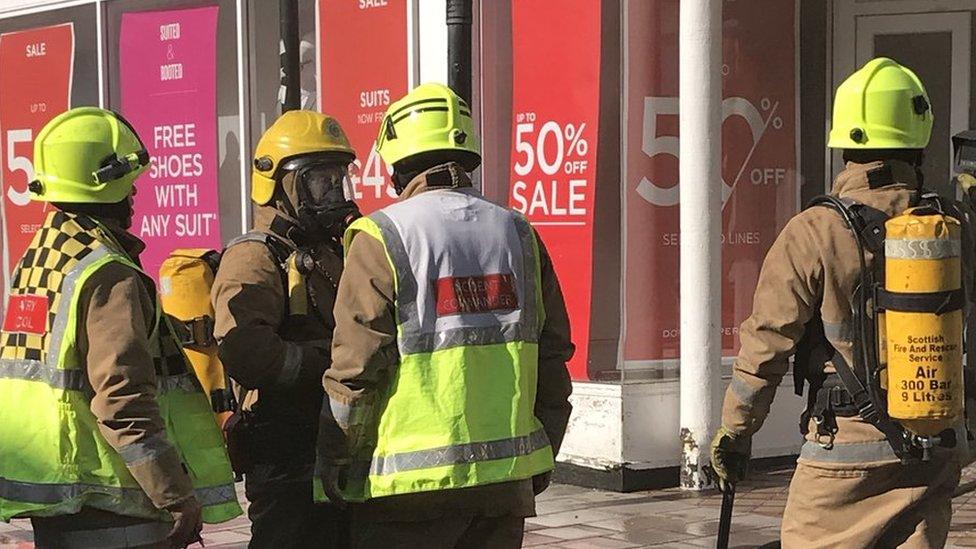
291,63
459,47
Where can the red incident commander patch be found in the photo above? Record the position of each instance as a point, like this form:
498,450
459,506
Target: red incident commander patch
26,314
476,294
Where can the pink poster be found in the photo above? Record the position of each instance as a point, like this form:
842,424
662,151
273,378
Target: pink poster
169,94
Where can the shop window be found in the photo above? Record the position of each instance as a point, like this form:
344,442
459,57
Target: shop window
264,57
177,80
759,167
550,86
48,63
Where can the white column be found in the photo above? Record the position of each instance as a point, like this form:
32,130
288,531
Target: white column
431,16
700,176
243,108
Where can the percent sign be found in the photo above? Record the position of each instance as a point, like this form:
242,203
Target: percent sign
654,144
577,145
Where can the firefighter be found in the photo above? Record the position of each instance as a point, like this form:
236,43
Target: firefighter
448,387
864,477
106,438
273,297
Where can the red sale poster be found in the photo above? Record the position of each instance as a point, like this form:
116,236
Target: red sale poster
360,78
556,105
758,165
168,63
3,270
35,86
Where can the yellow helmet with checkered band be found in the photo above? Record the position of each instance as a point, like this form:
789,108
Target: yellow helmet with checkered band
87,155
294,134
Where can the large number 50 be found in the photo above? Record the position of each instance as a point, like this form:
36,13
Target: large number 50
653,144
19,163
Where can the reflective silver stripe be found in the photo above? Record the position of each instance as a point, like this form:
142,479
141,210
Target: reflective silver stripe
851,452
35,492
35,370
292,365
136,535
216,495
839,331
455,337
531,317
743,391
185,382
146,449
406,298
459,454
922,248
68,288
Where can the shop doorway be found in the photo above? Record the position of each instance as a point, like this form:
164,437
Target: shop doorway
937,45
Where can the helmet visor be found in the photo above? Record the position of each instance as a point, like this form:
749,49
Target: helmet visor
322,184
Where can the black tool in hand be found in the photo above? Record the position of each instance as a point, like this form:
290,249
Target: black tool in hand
725,519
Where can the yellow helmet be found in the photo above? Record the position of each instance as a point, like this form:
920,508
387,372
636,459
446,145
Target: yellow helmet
430,118
882,106
87,155
294,134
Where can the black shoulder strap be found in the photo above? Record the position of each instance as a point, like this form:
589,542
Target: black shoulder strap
812,352
250,236
867,222
279,249
867,226
212,259
870,411
934,201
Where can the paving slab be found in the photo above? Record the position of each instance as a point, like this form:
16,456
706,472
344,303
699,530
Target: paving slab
570,517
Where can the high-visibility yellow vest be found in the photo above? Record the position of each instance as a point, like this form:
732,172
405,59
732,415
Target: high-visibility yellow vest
53,459
459,411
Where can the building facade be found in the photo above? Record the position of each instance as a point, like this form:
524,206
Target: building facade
577,101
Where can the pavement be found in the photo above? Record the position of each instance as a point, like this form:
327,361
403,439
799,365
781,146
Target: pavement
570,517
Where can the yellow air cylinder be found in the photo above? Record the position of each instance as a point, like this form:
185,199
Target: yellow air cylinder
924,349
185,279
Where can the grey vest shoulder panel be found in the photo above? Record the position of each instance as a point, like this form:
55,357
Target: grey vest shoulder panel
467,271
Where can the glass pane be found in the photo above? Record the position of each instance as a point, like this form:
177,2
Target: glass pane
40,79
758,169
228,159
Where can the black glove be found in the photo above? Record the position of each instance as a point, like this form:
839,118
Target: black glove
329,474
331,454
730,457
541,482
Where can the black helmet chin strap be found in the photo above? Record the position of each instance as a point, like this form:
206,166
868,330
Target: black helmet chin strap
920,183
289,228
120,212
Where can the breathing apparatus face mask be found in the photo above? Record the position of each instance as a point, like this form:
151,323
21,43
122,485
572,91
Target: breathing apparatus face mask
323,208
